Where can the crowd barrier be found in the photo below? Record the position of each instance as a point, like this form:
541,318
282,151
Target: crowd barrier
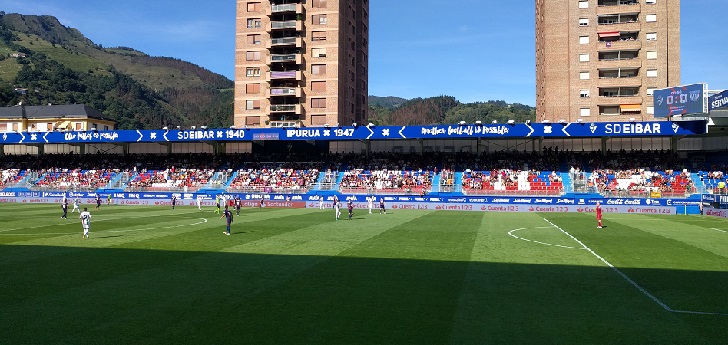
402,202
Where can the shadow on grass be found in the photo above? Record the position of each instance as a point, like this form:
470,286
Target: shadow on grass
81,295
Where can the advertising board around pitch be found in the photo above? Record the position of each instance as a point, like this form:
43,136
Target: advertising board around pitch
681,100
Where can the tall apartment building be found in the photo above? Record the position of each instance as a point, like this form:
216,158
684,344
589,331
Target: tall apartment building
600,60
301,62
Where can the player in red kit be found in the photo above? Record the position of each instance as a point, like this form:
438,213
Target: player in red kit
599,215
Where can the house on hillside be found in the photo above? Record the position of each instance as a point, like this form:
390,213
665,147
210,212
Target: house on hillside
18,55
48,118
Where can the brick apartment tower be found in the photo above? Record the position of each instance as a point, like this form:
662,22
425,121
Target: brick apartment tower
600,60
301,62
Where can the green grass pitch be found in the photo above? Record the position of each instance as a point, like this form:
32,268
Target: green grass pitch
153,275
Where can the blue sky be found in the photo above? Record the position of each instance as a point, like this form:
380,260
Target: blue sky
482,50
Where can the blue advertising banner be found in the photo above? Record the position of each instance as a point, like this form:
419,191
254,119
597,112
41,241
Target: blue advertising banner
520,130
719,100
679,100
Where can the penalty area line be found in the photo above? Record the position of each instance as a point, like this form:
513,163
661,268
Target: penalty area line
632,282
510,233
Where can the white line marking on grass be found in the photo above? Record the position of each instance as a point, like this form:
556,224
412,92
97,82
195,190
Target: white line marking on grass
166,227
510,233
97,219
203,220
628,279
39,234
718,230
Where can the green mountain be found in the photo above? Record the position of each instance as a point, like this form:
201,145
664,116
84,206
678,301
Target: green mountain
60,65
445,109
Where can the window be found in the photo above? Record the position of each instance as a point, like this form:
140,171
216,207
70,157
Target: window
652,73
252,104
583,21
584,93
583,4
318,52
254,23
78,126
318,103
650,110
252,120
254,7
651,55
319,120
651,36
252,72
583,39
584,75
319,19
319,3
650,2
254,39
252,56
252,89
318,86
318,36
651,18
651,91
583,57
318,69
585,112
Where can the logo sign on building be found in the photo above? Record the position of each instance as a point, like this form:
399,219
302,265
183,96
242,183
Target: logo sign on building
719,100
681,100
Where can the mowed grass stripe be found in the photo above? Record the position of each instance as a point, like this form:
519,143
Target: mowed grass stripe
399,287
526,292
683,276
193,288
64,267
697,231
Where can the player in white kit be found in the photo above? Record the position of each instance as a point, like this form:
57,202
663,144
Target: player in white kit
370,202
76,204
85,222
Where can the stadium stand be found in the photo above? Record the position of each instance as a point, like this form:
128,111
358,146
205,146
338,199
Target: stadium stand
619,174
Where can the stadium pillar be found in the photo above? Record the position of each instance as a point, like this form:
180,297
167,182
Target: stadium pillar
477,146
422,146
2,150
368,146
673,143
219,148
41,149
604,145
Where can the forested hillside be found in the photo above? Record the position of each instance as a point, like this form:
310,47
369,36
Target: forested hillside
447,109
42,61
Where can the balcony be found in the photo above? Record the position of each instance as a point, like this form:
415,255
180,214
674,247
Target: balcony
619,7
285,42
616,100
284,91
619,63
620,26
285,108
297,58
283,75
285,124
286,8
619,45
620,82
286,25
